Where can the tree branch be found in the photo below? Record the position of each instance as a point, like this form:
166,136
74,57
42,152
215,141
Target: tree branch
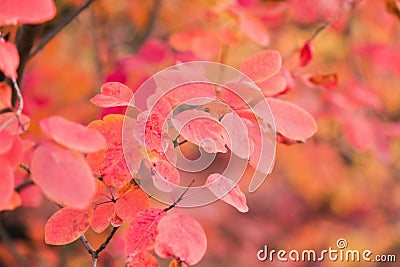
53,32
140,38
95,253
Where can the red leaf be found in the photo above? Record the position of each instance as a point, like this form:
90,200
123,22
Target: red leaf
102,216
111,163
9,58
238,139
6,140
262,65
327,81
15,153
63,175
14,127
26,11
128,205
220,185
166,176
113,94
198,127
305,54
7,183
142,231
72,135
142,259
5,96
292,121
181,237
67,225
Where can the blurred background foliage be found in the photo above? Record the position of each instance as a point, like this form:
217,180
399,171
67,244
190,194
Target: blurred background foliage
343,183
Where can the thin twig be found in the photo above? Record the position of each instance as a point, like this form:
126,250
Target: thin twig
95,253
179,198
24,185
19,110
59,28
6,239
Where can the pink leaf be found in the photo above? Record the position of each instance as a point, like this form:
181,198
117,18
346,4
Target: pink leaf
292,121
220,185
142,231
26,11
128,205
166,176
113,94
102,216
14,127
9,58
181,237
73,135
63,175
254,29
198,127
67,225
262,65
305,54
238,139
273,86
7,182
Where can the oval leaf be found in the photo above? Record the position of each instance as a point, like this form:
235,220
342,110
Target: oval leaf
67,225
181,237
63,175
72,135
128,205
262,65
102,216
9,58
220,185
113,94
292,121
26,11
166,176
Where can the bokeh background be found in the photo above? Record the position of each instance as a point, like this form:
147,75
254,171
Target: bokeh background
342,183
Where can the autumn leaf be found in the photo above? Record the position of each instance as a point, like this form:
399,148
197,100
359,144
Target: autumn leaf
262,65
5,96
15,127
101,216
142,259
72,135
326,81
129,204
113,94
292,121
63,175
26,11
305,54
9,58
166,177
67,225
142,231
181,237
226,190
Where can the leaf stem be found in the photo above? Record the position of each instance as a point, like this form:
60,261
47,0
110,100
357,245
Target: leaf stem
18,112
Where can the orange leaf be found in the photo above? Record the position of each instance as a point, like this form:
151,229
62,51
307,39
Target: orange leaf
142,259
67,225
72,135
63,175
181,237
128,205
101,216
262,65
327,81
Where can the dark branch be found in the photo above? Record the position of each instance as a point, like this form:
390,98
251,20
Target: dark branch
95,253
179,198
140,38
59,27
24,185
